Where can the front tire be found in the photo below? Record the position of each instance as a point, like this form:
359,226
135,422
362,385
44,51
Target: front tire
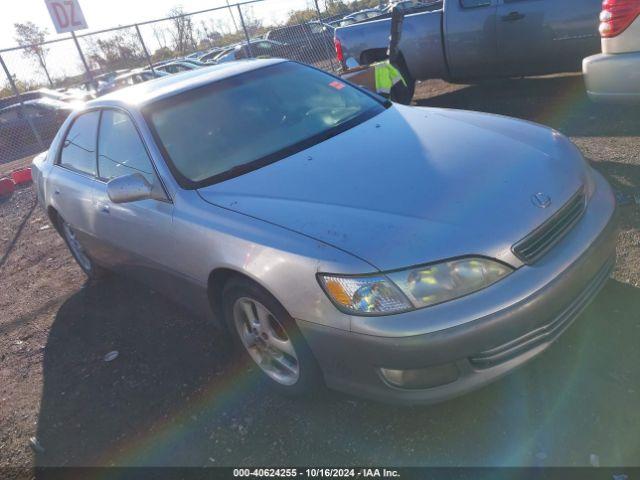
267,336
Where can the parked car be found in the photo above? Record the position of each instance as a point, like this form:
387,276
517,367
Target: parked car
17,138
360,16
195,55
614,75
406,5
469,40
335,236
194,61
130,78
111,76
175,67
209,56
259,49
72,94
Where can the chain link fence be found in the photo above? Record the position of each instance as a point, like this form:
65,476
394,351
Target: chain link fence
40,84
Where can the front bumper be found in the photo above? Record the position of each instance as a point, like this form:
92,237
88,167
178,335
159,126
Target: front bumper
466,356
613,78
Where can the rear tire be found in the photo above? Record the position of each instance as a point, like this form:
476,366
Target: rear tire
267,336
84,261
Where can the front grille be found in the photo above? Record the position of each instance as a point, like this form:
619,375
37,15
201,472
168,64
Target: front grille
543,238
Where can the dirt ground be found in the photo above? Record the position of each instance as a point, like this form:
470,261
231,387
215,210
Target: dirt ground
172,396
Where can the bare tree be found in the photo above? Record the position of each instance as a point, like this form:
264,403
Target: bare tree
160,34
121,50
209,33
30,36
253,23
223,27
182,31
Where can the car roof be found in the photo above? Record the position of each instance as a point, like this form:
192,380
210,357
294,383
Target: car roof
366,10
153,90
38,102
174,62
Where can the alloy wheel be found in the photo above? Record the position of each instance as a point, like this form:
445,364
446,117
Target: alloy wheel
266,341
75,247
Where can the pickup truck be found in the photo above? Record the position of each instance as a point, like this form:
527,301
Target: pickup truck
468,40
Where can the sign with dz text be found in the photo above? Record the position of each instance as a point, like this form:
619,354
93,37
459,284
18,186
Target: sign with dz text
66,15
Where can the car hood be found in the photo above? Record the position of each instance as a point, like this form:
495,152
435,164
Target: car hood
415,185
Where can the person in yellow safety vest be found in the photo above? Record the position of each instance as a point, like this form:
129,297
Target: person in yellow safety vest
390,83
386,76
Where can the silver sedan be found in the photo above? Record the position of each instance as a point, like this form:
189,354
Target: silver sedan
399,253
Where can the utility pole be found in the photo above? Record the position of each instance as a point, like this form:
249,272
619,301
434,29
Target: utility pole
235,25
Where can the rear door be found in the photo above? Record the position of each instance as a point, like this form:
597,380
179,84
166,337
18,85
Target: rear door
72,180
470,38
546,36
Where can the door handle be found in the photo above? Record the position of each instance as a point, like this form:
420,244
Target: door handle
513,17
56,191
104,208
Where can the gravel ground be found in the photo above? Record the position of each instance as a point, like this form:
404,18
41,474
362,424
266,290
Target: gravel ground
172,396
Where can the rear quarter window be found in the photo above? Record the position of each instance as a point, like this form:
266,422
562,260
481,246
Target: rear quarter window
79,146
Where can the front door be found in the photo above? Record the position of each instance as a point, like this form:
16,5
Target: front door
137,236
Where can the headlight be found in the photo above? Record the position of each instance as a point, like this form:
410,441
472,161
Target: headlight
448,280
414,288
370,295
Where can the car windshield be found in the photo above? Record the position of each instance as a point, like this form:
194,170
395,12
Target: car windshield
250,120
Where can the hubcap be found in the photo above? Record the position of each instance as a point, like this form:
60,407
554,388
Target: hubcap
76,247
266,341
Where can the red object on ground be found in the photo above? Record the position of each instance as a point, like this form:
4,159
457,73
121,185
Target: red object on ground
21,176
6,187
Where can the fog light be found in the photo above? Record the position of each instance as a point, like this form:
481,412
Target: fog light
421,378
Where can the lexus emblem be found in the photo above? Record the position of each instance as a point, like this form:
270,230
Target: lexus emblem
541,200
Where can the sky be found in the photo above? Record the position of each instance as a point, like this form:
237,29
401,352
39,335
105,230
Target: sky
101,14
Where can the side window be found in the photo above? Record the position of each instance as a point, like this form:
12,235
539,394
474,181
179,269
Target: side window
276,35
9,115
475,3
33,112
79,146
120,149
262,48
209,56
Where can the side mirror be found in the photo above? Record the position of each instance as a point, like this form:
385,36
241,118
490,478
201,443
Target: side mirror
129,188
